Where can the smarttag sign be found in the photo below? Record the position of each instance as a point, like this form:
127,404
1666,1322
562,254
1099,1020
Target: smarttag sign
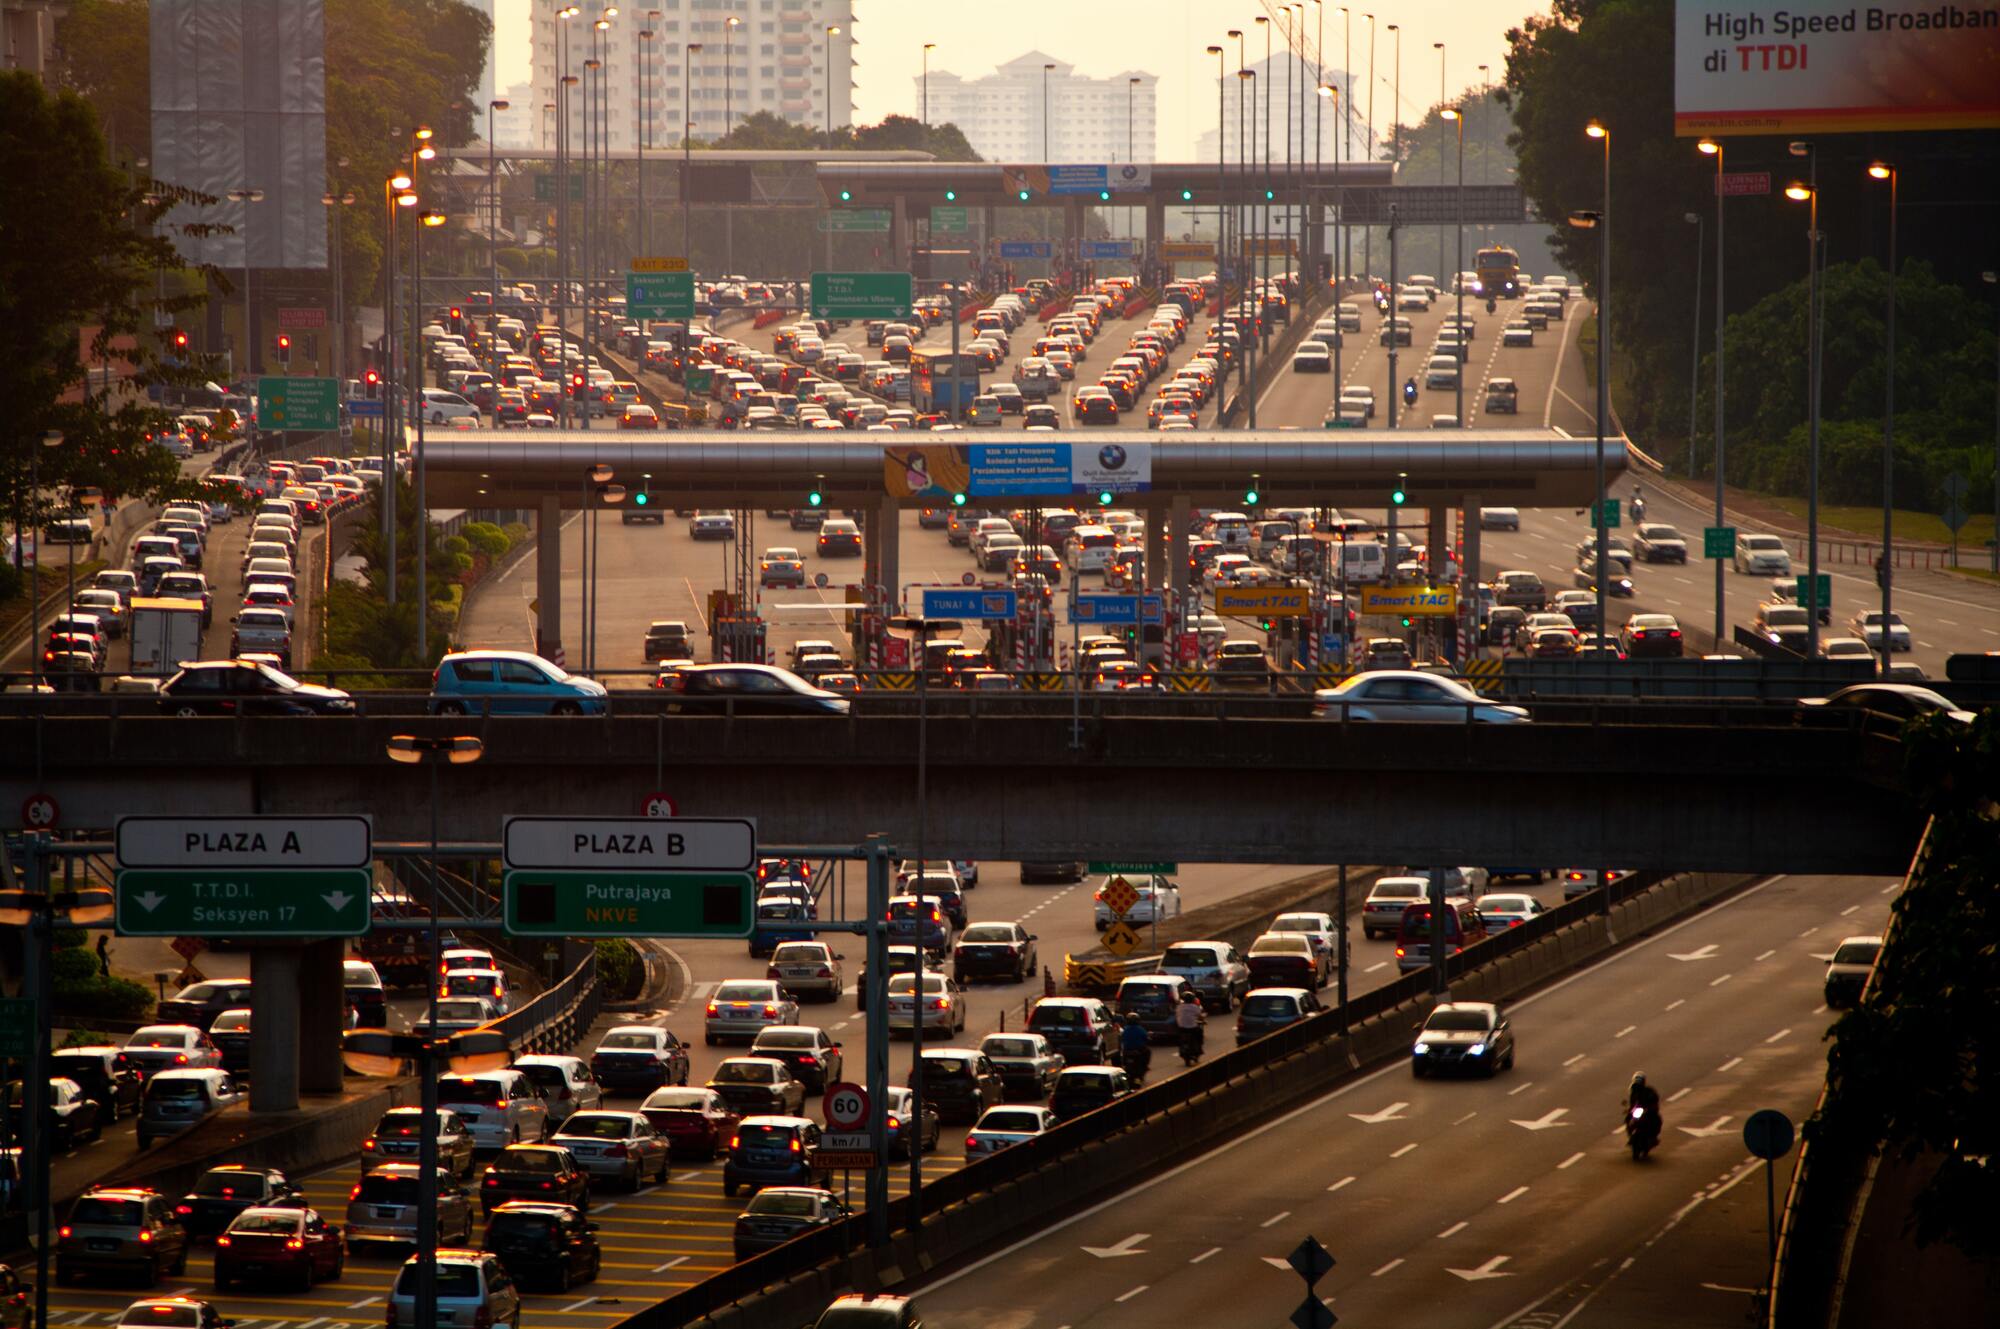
1415,601
1263,601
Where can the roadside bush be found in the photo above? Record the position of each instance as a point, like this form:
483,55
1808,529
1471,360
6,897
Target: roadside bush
619,969
112,998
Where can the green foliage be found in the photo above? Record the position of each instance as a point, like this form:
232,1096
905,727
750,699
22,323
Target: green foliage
73,965
89,1038
619,969
110,998
69,938
1910,1068
13,582
483,537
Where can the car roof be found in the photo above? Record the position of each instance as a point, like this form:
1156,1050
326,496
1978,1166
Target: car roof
1482,1007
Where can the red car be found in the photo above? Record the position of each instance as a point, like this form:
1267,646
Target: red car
292,1244
696,1122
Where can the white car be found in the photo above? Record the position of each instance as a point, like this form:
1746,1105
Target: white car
1499,519
714,525
171,1047
743,1008
566,1083
1382,911
498,1108
1868,627
621,1146
808,966
1519,332
999,1127
1312,357
1850,648
466,957
943,1001
1222,571
1441,372
1411,696
1763,555
1159,899
1318,927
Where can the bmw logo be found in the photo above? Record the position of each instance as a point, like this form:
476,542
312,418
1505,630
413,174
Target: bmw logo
1111,458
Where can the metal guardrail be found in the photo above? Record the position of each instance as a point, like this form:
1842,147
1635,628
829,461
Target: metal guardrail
555,1020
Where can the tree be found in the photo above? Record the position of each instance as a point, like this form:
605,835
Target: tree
77,276
765,131
102,51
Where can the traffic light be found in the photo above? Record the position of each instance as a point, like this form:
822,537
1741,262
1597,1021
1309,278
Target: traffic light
1250,495
179,341
958,499
457,320
1187,196
1270,195
1103,196
372,381
1021,194
951,196
817,498
576,382
284,348
846,196
1400,494
1104,498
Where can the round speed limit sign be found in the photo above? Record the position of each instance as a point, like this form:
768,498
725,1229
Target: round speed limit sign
846,1107
39,812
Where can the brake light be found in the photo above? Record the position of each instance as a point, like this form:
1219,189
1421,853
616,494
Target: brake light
355,1194
368,1144
64,1231
825,972
611,1151
734,1141
1399,952
220,1241
491,1180
772,972
711,1008
895,1122
145,1234
501,1105
292,1244
769,1009
940,1003
181,1057
183,1208
797,1145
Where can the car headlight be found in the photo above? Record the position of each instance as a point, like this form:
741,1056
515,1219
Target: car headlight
1476,1050
1421,1048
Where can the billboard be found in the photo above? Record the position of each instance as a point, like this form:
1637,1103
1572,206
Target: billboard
239,103
1823,66
991,470
1075,180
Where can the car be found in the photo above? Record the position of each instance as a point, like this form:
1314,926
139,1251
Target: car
1214,969
773,1151
1318,927
1158,899
1382,911
552,1245
960,1082
1847,970
1521,588
1581,881
489,984
1149,1000
1867,625
498,1108
247,688
1027,1064
1269,1008
1898,702
1848,648
620,1146
292,1242
805,968
1761,554
1651,636
781,565
668,639
779,1213
361,985
942,1001
914,921
511,683
1508,911
473,1289
566,1083
1312,356
1499,519
75,1117
382,1207
746,689
455,1015
398,1136
177,1099
1082,1029
695,1121
95,1069
533,1172
222,1193
1657,542
1081,1089
744,1008
1550,644
1782,624
1407,696
118,1229
1517,332
640,1057
1287,959
178,1312
994,950
999,1127
809,1052
869,1310
712,526
839,537
1463,1035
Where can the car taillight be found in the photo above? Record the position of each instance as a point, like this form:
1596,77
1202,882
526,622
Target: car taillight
183,1208
772,972
355,1194
291,1244
64,1231
735,1140
798,1146
491,1180
939,1003
614,1151
145,1234
711,1008
769,1009
1399,952
895,1122
825,972
220,1241
368,1144
181,1057
502,1105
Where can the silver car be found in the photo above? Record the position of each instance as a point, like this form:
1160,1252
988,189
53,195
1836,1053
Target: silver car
566,1084
384,1207
803,967
1382,913
499,1108
744,1008
473,1292
619,1145
398,1137
1410,696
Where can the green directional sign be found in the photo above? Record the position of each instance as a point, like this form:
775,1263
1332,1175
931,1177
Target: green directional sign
856,219
1803,588
862,295
698,381
243,902
610,903
659,294
1134,869
545,188
310,404
1718,542
18,1027
951,219
1610,506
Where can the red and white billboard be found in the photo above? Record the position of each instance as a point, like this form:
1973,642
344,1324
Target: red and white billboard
1825,66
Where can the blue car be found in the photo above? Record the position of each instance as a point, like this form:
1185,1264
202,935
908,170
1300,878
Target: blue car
511,683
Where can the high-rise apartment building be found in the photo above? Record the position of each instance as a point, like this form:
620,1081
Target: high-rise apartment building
1310,115
1006,115
756,55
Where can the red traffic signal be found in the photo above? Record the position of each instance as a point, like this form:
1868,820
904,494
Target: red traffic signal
180,339
284,349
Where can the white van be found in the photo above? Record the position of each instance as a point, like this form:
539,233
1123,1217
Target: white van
440,406
1089,549
1360,560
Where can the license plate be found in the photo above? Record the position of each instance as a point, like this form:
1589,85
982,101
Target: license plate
389,1211
795,971
103,1245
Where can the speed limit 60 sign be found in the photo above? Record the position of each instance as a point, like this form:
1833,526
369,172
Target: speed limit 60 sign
846,1107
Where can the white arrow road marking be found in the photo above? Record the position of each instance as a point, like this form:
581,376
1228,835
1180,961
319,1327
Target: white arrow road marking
150,901
1716,1127
1129,1246
1394,1112
1491,1269
1705,953
1550,1118
1276,1263
337,900
662,1268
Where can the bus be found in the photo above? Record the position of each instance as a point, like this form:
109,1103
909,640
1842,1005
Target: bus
1499,272
936,383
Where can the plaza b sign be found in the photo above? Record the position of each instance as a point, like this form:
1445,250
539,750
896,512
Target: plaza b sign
1830,67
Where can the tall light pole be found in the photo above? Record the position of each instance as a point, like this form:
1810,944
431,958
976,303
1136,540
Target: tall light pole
1456,114
1221,159
1131,156
687,149
729,27
335,202
832,31
1601,220
1887,171
566,81
396,193
246,197
1808,194
928,48
1368,144
644,138
427,220
1045,112
1285,17
1694,368
1264,205
1713,147
493,213
1442,95
1335,258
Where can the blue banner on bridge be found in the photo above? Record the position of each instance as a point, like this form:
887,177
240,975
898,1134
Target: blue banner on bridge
1026,249
969,602
1088,249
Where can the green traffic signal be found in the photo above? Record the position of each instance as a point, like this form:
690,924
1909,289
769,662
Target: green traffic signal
951,195
1187,196
958,499
1104,498
642,498
1104,196
1250,496
1269,195
846,196
815,499
1022,195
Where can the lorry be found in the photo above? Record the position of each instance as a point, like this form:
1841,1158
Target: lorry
165,633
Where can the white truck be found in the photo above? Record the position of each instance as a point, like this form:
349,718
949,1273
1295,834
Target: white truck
165,633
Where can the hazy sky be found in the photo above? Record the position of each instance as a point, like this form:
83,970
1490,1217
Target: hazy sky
1162,37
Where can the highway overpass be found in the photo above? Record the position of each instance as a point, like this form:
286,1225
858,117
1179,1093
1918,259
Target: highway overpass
1659,786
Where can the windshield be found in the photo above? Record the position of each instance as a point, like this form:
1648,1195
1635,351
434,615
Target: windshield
168,1313
811,952
1268,1006
745,992
742,1072
1467,1021
1857,952
471,1091
1088,1081
157,1038
786,1206
1763,542
228,1184
453,1280
529,1160
1183,957
287,1224
1268,945
520,1225
785,1038
1010,1120
681,1100
598,1125
174,1089
112,1212
462,1009
635,1039
1785,617
764,1137
905,984
1009,1047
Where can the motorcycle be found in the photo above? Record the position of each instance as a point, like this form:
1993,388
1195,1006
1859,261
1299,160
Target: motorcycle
1136,1062
1642,1131
1638,509
1410,392
1191,1045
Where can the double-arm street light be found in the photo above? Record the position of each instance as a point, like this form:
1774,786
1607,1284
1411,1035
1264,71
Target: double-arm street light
1601,222
1887,171
1713,148
1456,115
1808,194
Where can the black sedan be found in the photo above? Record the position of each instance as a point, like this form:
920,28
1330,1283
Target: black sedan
538,1172
550,1245
247,687
76,1119
994,950
199,1003
1080,1089
221,1193
746,689
779,1213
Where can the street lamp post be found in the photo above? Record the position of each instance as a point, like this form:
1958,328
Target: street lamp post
1263,206
928,48
493,214
246,197
1368,145
566,82
687,149
396,193
1601,220
644,138
1713,148
1887,171
729,27
1808,194
1439,48
337,201
832,31
1045,111
422,551
1221,160
1456,115
1694,367
415,750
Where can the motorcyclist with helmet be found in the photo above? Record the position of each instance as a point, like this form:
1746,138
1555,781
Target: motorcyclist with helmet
1642,1116
1135,1051
1189,1018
